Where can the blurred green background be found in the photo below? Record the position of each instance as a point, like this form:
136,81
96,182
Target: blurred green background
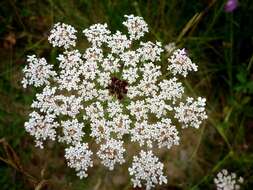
220,43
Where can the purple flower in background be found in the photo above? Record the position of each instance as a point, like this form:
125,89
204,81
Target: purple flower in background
231,5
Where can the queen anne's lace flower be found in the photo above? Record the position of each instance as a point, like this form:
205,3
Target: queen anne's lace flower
38,72
120,125
110,64
191,113
130,58
46,101
69,77
171,89
62,35
112,90
136,26
150,51
130,75
181,63
100,129
118,42
163,133
72,131
79,158
69,105
93,54
143,133
41,127
97,34
111,153
167,134
227,181
147,169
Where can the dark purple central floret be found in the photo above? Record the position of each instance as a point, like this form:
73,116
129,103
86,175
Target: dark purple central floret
118,87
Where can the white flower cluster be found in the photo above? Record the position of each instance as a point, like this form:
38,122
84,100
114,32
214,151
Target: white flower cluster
41,127
136,26
162,133
181,63
38,72
72,131
227,181
62,35
191,113
111,153
97,34
79,158
147,169
113,91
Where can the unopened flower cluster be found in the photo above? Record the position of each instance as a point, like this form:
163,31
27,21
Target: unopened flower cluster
227,181
114,89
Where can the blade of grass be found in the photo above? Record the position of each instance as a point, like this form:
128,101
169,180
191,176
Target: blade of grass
214,169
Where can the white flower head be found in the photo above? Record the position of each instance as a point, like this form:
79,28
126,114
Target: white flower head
69,79
70,59
227,181
95,111
111,64
69,105
118,42
120,125
89,70
150,51
167,134
79,158
72,131
114,92
38,72
41,127
143,133
114,108
181,63
46,101
158,106
138,109
97,34
191,113
87,90
93,54
171,89
136,26
111,152
130,74
147,170
62,35
100,129
130,58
